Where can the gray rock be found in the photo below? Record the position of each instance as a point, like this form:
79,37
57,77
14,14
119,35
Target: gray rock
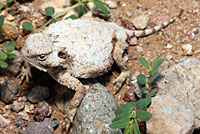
96,112
45,127
169,116
38,93
17,106
8,89
140,22
3,121
182,82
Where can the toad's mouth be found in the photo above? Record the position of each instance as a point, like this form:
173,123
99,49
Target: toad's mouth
36,65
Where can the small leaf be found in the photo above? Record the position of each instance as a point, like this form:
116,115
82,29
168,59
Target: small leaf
1,20
143,115
144,62
101,5
81,11
156,60
49,11
9,1
1,6
136,128
157,64
153,77
143,102
3,64
10,46
126,108
27,26
121,116
3,56
143,90
11,55
53,20
141,79
120,123
152,92
73,17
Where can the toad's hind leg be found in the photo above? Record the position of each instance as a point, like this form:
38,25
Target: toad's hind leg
121,58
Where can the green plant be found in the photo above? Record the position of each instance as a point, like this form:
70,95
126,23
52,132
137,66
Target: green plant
6,53
132,112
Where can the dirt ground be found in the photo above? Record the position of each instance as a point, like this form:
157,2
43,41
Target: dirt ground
185,30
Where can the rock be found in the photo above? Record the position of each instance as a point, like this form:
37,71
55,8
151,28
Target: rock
8,89
3,121
139,49
111,4
24,115
96,112
169,46
45,127
169,57
169,116
43,110
187,49
128,14
182,82
10,29
17,106
140,22
38,93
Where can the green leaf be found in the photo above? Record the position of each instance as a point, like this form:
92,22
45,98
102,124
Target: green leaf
152,92
143,102
136,127
121,116
81,10
156,60
9,1
49,11
53,20
11,55
143,115
157,64
73,17
144,62
141,79
3,64
3,56
120,123
1,6
143,90
10,46
129,129
1,20
101,5
27,26
126,108
153,77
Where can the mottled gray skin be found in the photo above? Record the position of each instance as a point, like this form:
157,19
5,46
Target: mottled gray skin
82,48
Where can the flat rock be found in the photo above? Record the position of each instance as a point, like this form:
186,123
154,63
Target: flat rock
169,116
182,81
38,93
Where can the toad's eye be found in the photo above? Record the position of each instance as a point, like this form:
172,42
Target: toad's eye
41,57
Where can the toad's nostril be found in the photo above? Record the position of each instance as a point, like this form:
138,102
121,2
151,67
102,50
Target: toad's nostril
62,55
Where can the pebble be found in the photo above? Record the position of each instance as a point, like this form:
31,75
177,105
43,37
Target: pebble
169,57
128,14
38,93
3,121
140,22
43,110
148,54
17,106
11,30
187,49
169,46
45,127
111,4
24,115
9,89
133,41
139,49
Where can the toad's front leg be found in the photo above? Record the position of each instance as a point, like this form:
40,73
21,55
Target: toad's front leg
71,82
